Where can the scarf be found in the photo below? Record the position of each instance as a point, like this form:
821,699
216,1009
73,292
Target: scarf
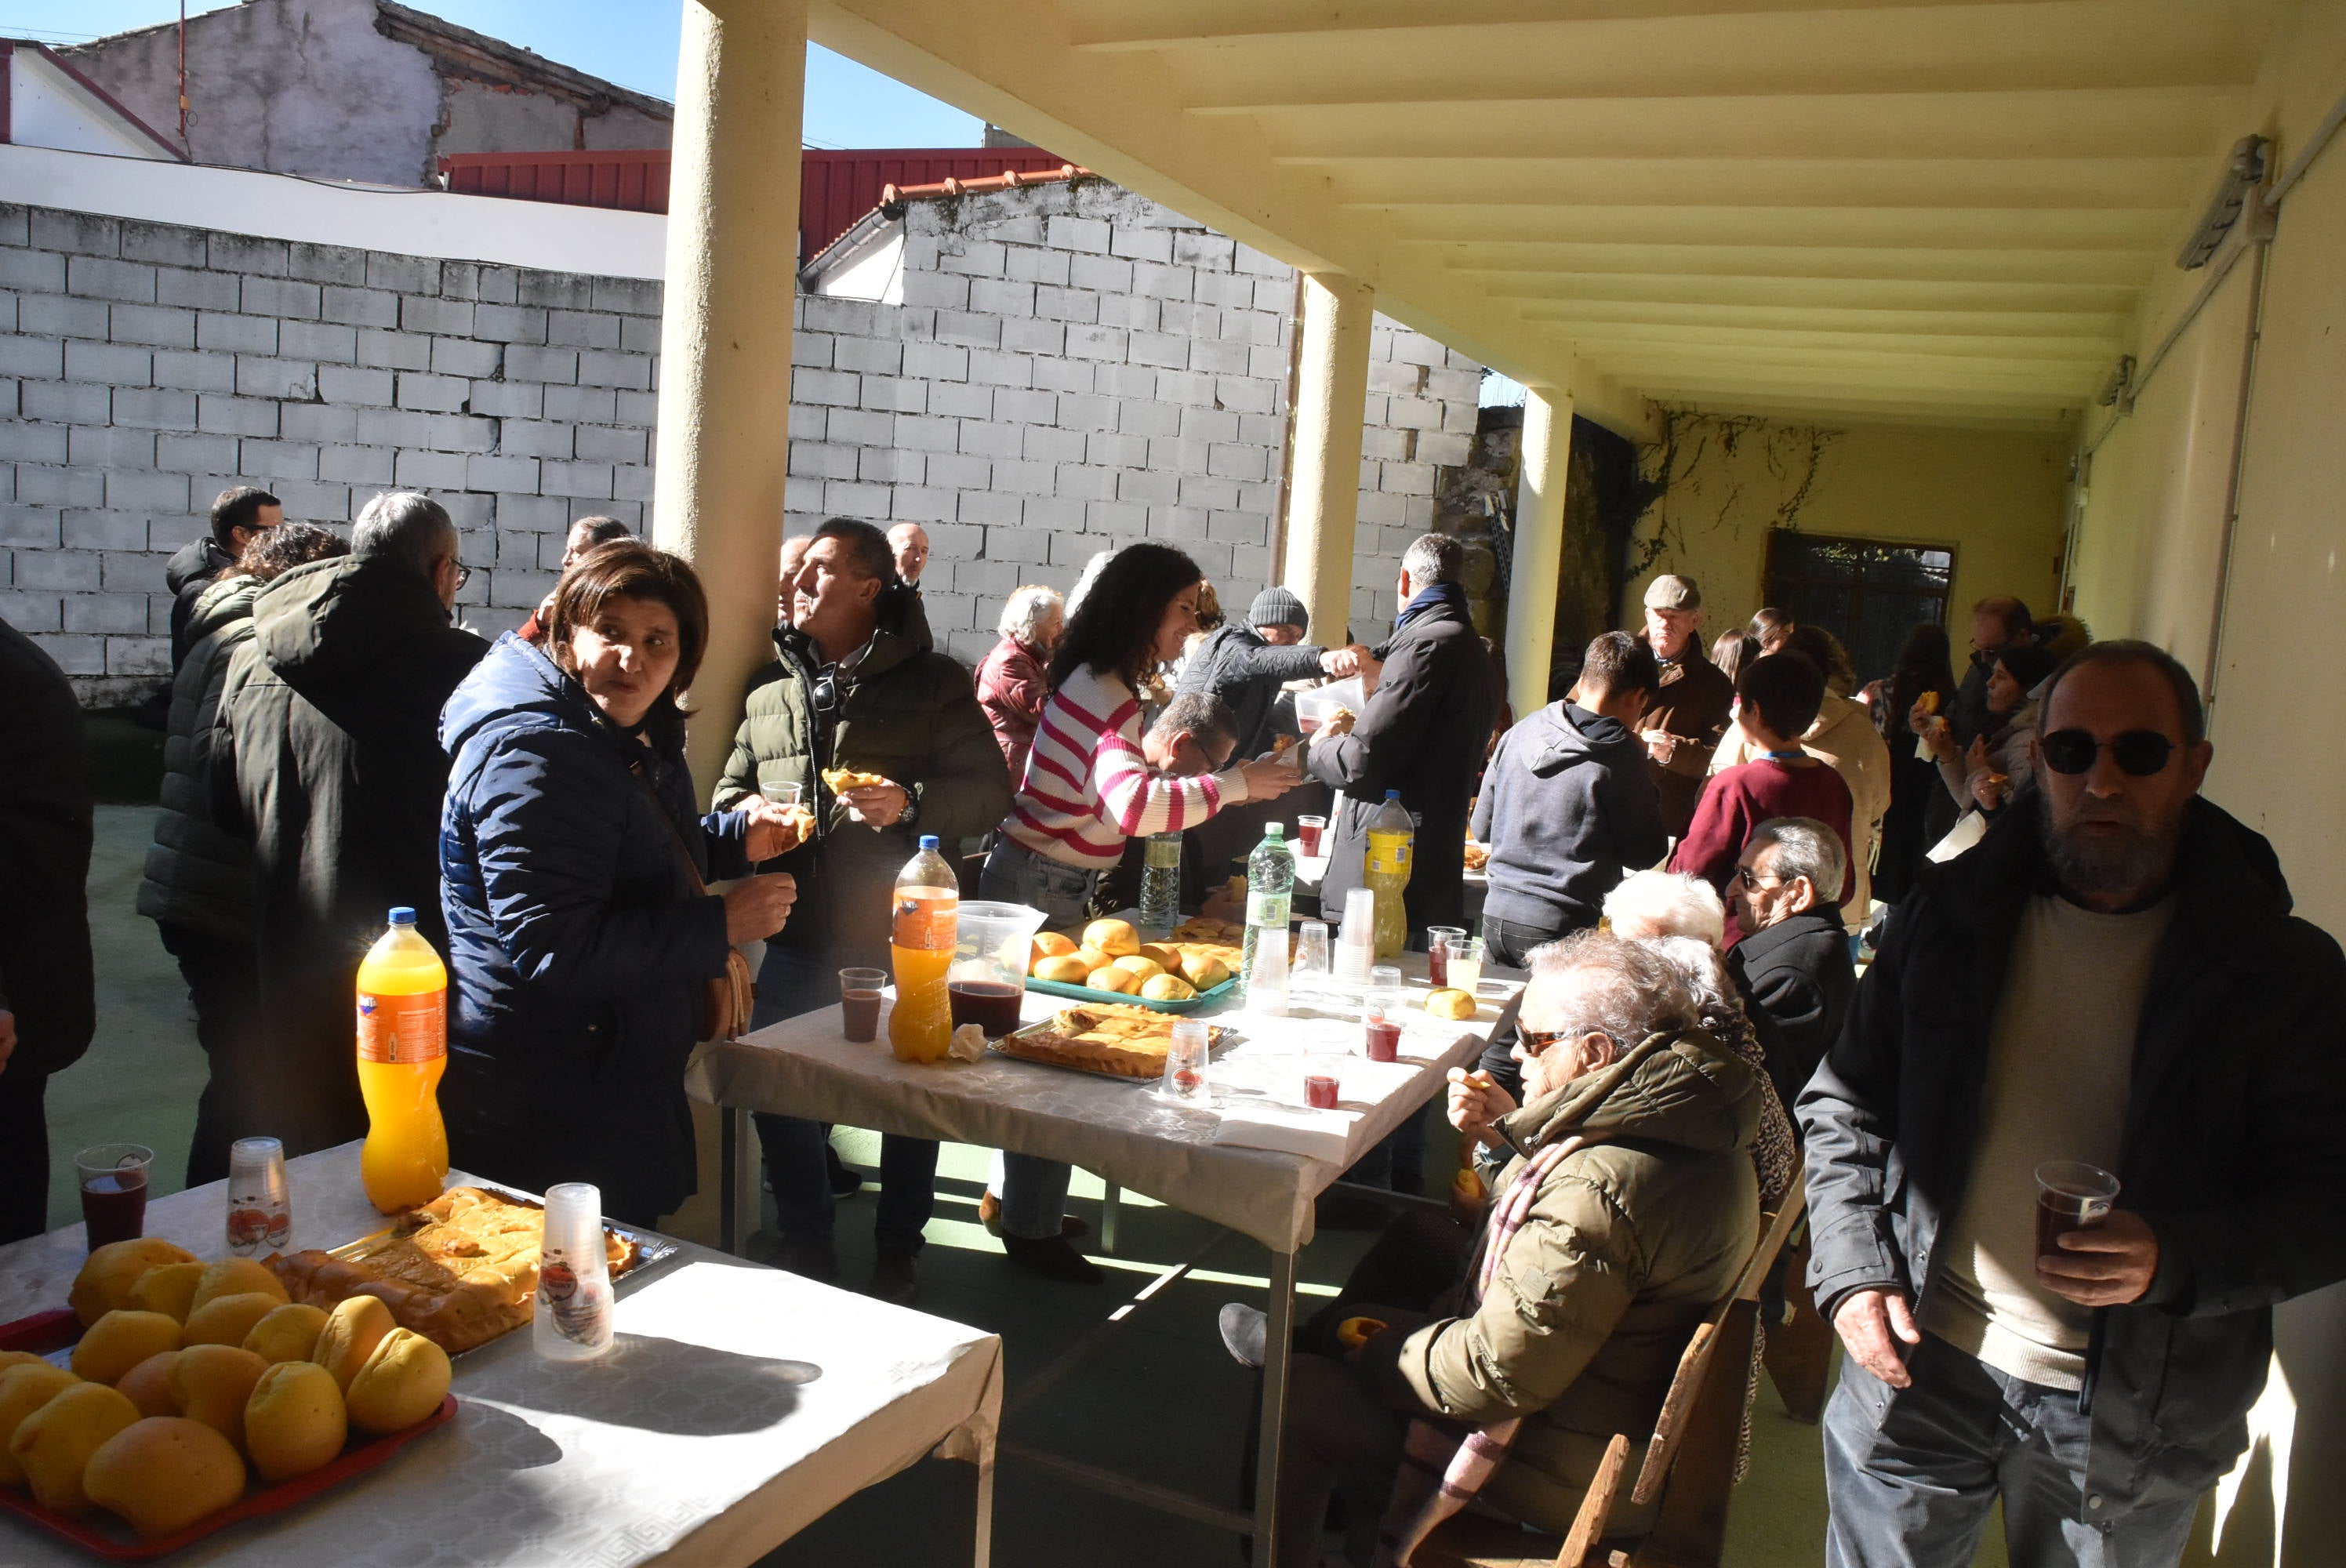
1443,1465
1449,594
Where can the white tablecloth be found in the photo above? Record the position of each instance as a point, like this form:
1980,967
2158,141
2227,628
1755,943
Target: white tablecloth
739,1405
1114,1126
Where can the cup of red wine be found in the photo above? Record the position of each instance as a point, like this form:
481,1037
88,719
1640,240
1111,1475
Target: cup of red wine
113,1191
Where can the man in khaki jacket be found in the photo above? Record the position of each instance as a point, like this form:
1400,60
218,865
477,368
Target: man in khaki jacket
1630,1239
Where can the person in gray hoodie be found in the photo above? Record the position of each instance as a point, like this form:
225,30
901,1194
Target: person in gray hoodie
1567,807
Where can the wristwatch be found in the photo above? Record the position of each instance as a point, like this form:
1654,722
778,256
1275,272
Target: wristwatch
911,813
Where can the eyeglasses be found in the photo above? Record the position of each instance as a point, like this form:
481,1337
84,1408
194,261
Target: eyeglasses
1751,879
2140,752
463,573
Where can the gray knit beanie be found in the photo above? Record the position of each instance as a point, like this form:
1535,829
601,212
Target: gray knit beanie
1279,607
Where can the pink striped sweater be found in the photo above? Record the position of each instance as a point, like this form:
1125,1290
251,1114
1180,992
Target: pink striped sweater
1089,787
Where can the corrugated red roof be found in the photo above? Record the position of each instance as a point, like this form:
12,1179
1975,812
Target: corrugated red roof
835,188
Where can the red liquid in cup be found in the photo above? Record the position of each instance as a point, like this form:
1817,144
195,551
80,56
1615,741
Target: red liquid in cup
1383,1041
1437,964
114,1206
1319,1091
990,1004
858,1015
1309,832
2058,1213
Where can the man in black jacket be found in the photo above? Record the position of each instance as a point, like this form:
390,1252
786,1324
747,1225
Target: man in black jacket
2111,977
1568,809
48,1001
236,517
1792,965
1424,731
326,756
1246,665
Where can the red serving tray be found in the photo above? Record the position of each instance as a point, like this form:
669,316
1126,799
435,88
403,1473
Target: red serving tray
96,1534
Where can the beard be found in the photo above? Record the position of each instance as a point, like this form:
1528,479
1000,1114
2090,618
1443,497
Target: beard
2131,852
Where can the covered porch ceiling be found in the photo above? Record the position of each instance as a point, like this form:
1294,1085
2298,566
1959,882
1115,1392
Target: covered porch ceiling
1869,210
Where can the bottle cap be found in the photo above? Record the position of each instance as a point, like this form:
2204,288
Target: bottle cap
402,915
928,840
1392,794
1274,830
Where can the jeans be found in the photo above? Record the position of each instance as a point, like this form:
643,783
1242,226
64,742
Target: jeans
1034,1192
1509,942
1912,1475
223,979
795,980
24,1155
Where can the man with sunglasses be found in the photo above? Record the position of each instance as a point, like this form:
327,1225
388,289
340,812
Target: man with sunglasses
1792,967
2112,976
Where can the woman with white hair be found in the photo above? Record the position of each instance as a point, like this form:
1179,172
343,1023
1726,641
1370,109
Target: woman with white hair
1015,677
1646,905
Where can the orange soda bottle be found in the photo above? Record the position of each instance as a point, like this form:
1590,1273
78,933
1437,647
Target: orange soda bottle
403,1050
925,921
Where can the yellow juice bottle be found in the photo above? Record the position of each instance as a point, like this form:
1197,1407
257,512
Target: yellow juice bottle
402,1049
922,928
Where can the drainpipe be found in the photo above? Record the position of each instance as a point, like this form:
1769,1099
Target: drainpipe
2258,264
183,79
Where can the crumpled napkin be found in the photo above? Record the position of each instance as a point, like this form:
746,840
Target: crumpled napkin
968,1044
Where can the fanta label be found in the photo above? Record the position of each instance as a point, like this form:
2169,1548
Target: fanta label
410,1028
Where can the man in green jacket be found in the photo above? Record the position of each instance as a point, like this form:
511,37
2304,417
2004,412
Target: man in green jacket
1630,1239
856,687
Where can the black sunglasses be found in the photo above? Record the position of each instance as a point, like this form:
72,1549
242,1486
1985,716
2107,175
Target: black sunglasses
2140,752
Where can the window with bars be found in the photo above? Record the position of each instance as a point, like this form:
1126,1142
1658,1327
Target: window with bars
1866,592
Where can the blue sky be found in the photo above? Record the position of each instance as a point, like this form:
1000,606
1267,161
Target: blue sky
631,42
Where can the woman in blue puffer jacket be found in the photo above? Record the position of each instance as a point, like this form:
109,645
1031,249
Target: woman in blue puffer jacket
579,946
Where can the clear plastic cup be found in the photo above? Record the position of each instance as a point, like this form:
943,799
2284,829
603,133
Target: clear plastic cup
790,794
1184,1083
259,1203
1309,831
858,1003
113,1191
1309,971
2070,1195
574,1277
1466,964
1439,943
1323,1080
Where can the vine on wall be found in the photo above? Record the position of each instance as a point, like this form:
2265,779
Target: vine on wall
1701,480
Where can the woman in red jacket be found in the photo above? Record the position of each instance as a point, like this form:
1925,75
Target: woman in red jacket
1015,677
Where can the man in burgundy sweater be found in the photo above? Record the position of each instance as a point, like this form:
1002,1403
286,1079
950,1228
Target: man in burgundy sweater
1780,696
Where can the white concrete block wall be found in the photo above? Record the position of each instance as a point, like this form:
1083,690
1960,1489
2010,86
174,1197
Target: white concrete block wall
144,368
1075,368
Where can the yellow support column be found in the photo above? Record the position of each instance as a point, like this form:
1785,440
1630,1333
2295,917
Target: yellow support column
1331,391
1539,546
725,335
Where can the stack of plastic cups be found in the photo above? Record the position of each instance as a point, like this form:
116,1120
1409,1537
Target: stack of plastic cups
574,1276
1356,943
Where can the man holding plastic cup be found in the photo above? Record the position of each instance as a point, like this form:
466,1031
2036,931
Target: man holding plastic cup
2106,1006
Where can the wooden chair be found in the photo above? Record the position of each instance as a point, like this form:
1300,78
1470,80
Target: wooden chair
1800,1349
1689,1465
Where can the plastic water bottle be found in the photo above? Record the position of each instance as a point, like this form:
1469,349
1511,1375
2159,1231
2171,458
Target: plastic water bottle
923,926
1270,889
1391,838
1161,884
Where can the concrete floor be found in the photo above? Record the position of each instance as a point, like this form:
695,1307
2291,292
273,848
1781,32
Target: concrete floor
1159,1399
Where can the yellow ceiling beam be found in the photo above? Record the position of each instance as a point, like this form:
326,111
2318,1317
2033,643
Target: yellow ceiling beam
1500,265
1824,293
1729,224
2038,44
2103,122
1562,316
1598,336
2161,184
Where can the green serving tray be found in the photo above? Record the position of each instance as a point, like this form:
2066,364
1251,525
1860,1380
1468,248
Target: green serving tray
1226,990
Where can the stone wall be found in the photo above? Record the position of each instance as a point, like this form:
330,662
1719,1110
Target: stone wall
145,367
1076,367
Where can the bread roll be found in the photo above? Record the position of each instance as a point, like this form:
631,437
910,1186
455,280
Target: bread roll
1115,938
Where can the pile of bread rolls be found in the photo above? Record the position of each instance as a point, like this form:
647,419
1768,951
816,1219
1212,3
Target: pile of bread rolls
1111,957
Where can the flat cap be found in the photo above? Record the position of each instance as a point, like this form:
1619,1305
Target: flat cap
1668,593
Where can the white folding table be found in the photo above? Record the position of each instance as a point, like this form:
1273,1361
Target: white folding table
1117,1129
740,1404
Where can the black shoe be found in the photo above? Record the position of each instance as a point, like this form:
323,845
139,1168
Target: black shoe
812,1258
844,1183
1051,1257
895,1278
1245,1331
